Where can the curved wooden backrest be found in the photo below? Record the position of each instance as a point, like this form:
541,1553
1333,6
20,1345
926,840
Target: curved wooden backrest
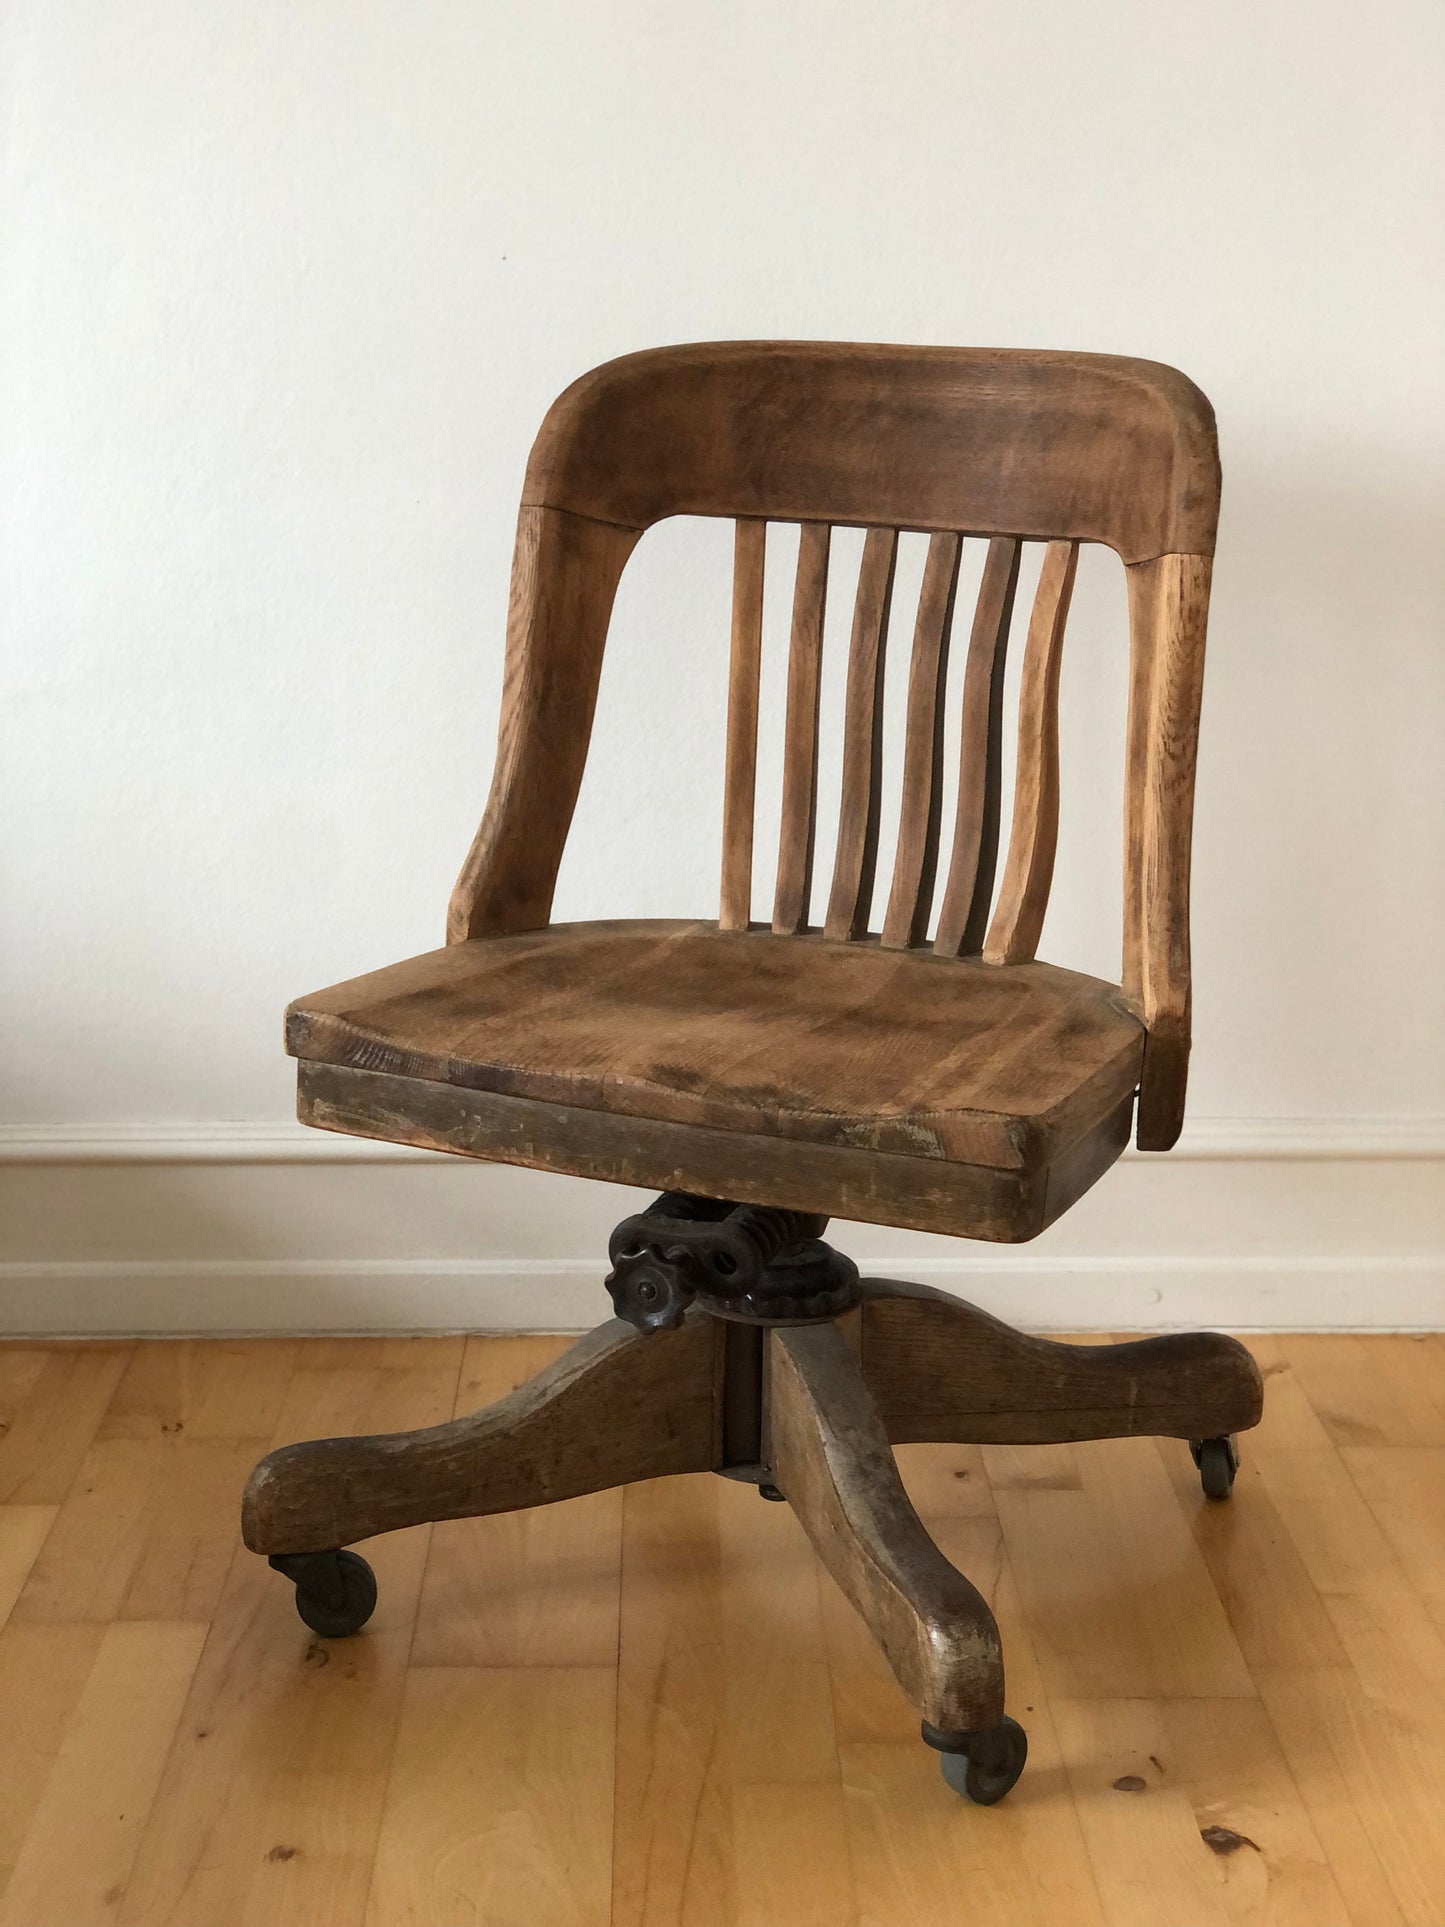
984,440
956,442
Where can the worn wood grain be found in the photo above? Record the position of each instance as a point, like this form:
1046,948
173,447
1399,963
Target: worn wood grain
1023,898
565,573
1118,451
915,863
531,1587
801,1038
798,826
968,893
1168,612
740,779
649,1396
1064,448
881,1187
851,898
829,1452
939,1368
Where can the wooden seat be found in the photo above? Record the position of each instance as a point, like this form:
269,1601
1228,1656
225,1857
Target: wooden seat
802,1041
913,1064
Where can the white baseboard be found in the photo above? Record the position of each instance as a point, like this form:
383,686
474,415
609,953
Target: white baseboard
358,1295
1250,1225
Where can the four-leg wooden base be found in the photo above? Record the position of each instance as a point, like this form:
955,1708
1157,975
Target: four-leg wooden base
811,1409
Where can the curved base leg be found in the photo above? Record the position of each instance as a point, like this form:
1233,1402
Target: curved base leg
829,1452
614,1408
940,1369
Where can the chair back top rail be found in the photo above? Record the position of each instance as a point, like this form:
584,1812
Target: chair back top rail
987,441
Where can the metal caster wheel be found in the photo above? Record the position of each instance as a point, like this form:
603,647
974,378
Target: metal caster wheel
335,1591
767,1490
981,1766
1218,1461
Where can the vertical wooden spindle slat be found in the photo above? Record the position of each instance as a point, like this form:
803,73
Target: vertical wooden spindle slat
963,918
851,897
910,898
1018,921
740,782
800,739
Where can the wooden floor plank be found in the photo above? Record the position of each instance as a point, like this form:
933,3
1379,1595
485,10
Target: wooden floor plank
915,1846
148,1529
23,1531
21,1363
54,1419
43,1670
234,1835
82,1838
1341,1543
1191,1816
1271,1602
673,1840
1404,1487
1324,1725
729,1795
654,1710
778,1742
1383,1719
499,1810
532,1588
1399,1400
1117,1593
1290,1422
210,1388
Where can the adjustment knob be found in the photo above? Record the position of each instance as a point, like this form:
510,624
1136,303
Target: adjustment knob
647,1293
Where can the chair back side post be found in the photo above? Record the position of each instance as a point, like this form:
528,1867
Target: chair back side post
1014,447
565,571
1168,614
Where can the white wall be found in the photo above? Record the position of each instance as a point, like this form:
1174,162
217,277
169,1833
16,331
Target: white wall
288,288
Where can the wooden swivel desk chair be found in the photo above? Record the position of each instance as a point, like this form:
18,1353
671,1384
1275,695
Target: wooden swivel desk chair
766,1078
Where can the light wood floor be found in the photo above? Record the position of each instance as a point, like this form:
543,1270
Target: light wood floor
652,1707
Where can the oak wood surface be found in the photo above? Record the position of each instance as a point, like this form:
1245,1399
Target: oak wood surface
910,899
881,1187
828,1450
740,784
1018,918
963,914
565,572
939,1368
1119,451
278,1786
1168,603
801,1039
851,898
798,825
616,1407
